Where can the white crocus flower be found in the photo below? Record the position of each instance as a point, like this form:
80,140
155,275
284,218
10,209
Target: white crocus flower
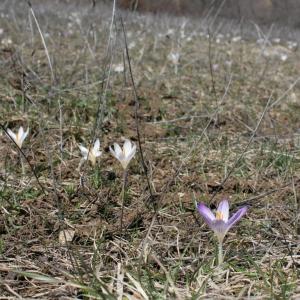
19,137
174,57
91,154
118,68
124,155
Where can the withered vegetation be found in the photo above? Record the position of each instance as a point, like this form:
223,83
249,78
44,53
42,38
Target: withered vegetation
222,122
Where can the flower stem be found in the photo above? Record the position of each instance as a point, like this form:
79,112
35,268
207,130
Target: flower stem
220,253
123,197
22,165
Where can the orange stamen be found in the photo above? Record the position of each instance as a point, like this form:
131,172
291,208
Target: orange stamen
219,215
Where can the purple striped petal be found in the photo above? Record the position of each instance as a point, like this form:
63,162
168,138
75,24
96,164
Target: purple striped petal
237,216
206,213
223,208
220,229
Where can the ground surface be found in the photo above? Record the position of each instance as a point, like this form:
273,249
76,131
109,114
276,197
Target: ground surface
223,122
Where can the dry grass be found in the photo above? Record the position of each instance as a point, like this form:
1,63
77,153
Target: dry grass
195,128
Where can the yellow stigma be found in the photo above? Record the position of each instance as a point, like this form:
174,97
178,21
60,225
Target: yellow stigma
219,215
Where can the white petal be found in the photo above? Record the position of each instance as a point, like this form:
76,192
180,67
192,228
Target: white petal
118,151
97,153
23,136
84,151
127,147
112,152
132,153
96,145
20,133
223,208
26,133
11,134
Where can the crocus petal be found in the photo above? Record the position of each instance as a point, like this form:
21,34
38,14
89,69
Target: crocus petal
84,151
11,134
223,208
26,133
118,151
206,213
96,145
112,151
237,216
220,229
96,149
23,136
127,148
20,133
132,152
97,153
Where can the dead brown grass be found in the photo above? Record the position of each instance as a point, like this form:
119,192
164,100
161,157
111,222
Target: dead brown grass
192,136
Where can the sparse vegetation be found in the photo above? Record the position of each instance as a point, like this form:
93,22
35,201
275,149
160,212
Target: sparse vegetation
222,121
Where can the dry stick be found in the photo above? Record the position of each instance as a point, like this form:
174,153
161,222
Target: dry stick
52,77
53,81
286,243
101,107
136,108
169,278
58,203
290,251
104,87
243,152
22,164
52,74
286,92
124,184
27,160
273,190
212,117
10,290
43,40
213,84
297,208
102,99
217,13
206,15
168,184
262,195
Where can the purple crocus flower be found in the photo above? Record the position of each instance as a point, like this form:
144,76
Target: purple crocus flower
220,223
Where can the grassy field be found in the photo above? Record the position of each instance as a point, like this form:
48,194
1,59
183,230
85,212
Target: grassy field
214,112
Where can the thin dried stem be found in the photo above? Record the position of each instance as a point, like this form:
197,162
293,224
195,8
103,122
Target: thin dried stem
220,253
123,195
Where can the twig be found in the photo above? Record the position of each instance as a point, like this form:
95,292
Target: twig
136,108
10,290
285,93
260,196
213,115
105,81
27,160
123,197
243,152
213,84
22,164
43,40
